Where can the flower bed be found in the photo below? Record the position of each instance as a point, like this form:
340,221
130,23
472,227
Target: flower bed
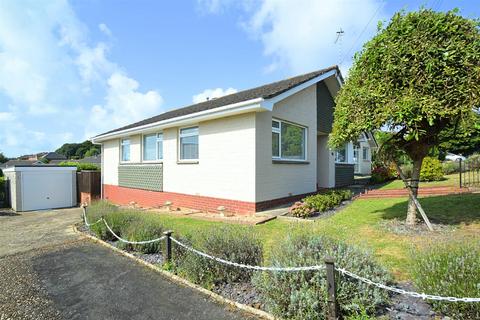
320,203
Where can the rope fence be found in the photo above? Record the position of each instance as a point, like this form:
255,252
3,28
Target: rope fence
329,267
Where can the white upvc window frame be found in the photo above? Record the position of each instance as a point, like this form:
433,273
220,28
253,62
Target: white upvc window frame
122,145
158,139
365,153
279,132
345,146
180,136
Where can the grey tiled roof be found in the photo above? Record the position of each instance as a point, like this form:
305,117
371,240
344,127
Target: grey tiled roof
266,91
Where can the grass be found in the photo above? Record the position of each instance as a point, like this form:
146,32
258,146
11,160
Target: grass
360,223
451,180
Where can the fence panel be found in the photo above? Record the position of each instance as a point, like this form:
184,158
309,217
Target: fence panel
88,186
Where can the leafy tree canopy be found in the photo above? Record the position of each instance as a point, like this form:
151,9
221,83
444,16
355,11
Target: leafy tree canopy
417,77
79,150
3,159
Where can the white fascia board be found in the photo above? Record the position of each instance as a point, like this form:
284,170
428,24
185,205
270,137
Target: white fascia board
268,104
39,168
228,110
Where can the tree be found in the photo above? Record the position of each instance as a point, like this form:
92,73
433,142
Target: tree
461,140
3,159
78,150
418,78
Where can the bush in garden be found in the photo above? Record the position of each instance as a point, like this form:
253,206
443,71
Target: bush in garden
432,170
117,219
80,166
145,228
383,174
450,167
345,193
302,295
450,269
301,210
474,161
324,201
233,244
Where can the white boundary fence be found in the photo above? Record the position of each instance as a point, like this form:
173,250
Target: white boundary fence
329,266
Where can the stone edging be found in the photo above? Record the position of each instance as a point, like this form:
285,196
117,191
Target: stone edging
182,281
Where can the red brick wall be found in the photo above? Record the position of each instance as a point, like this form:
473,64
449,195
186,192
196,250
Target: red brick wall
145,198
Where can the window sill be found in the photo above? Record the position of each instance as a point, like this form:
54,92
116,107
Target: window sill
187,161
139,163
280,161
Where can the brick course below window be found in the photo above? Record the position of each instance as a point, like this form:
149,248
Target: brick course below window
146,198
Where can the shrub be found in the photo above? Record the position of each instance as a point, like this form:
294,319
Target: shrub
450,167
80,166
143,229
302,295
474,161
450,269
345,193
233,244
431,170
117,219
301,210
326,201
383,174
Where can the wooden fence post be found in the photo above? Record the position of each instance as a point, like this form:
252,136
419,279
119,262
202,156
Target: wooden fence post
169,246
331,289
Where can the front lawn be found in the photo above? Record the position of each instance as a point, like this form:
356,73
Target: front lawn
451,180
361,223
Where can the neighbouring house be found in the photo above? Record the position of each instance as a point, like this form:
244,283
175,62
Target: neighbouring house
363,149
15,162
54,156
93,160
245,152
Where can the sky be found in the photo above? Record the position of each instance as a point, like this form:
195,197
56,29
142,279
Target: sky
72,69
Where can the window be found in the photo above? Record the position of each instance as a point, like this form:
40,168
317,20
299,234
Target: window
341,154
288,141
125,149
189,143
153,147
365,153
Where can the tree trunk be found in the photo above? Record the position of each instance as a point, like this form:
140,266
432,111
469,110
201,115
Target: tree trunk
412,208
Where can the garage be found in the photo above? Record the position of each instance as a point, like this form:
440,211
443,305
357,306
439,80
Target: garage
39,187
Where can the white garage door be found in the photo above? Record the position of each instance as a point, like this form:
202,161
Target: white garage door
46,190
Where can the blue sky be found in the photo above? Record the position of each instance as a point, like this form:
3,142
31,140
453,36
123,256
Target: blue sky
73,69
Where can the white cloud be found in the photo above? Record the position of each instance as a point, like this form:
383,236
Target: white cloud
53,73
212,93
7,116
123,104
299,35
106,31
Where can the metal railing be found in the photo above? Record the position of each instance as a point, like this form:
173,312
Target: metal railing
469,173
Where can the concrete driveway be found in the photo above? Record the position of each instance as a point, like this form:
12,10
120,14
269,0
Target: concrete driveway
50,272
21,232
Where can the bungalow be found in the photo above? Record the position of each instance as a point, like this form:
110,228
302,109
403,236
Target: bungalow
246,151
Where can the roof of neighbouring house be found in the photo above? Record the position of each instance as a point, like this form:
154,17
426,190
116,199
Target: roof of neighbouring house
266,91
12,163
54,156
93,159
